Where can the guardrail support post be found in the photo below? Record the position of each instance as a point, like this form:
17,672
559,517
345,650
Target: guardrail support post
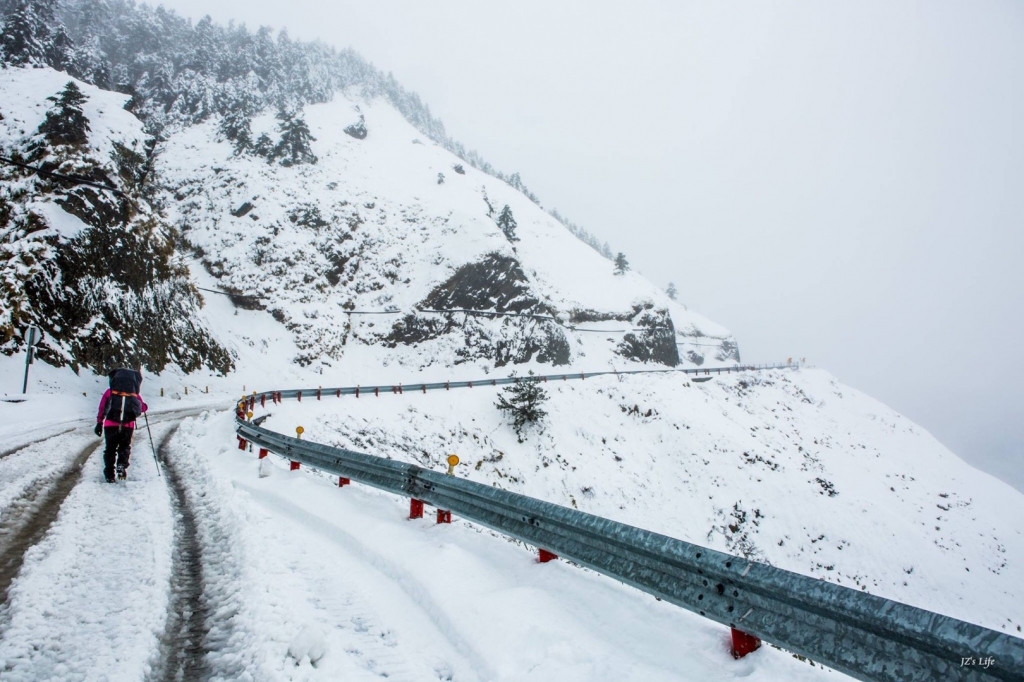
342,482
264,452
415,508
299,396
241,443
544,556
318,394
743,644
263,400
444,516
293,465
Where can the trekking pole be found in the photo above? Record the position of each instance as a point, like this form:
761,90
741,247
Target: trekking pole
155,458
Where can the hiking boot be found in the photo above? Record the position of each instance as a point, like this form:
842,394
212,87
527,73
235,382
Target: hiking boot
122,473
109,479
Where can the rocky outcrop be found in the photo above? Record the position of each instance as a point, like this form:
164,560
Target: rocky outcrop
654,339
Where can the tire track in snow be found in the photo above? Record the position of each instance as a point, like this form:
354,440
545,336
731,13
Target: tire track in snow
378,652
23,525
183,645
27,444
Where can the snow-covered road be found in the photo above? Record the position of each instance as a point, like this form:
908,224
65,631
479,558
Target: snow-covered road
302,581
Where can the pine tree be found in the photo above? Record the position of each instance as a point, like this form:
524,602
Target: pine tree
65,122
621,264
672,292
60,50
25,36
523,401
507,223
264,147
236,127
293,148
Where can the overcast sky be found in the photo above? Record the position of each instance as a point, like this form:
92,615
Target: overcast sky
837,180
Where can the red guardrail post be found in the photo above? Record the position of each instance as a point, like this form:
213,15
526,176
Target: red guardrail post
444,516
241,443
293,466
263,453
743,644
318,394
544,556
415,508
263,399
376,391
299,396
342,482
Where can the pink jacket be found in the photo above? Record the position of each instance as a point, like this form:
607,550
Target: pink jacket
103,410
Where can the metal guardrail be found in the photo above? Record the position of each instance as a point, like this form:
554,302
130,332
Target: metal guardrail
862,635
357,391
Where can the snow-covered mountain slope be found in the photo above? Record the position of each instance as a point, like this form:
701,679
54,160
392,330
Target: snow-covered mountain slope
788,466
391,221
94,268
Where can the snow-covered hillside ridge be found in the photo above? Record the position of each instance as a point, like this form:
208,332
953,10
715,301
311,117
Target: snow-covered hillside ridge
386,220
94,268
788,466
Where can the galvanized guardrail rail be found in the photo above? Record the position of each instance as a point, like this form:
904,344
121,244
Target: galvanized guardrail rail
358,391
862,635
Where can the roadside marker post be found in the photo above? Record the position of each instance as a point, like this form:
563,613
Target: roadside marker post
33,335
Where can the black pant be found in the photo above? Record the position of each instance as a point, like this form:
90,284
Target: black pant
118,450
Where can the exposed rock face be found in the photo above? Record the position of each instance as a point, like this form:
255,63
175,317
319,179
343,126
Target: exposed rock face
96,269
357,130
496,284
657,340
729,350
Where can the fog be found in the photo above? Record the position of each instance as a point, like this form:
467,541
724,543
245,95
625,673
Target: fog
837,181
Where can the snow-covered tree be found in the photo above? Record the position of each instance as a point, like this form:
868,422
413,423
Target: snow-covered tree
293,148
523,401
621,264
65,122
238,101
26,33
671,291
507,223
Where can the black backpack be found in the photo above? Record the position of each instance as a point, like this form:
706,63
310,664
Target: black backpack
124,405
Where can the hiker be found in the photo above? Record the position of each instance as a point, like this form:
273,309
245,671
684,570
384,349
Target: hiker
120,406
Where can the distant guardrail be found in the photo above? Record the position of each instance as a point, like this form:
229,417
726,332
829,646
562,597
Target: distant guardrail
358,391
862,635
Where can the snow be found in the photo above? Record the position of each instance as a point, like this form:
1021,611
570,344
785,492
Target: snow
398,233
63,223
304,581
92,595
344,576
907,519
24,107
